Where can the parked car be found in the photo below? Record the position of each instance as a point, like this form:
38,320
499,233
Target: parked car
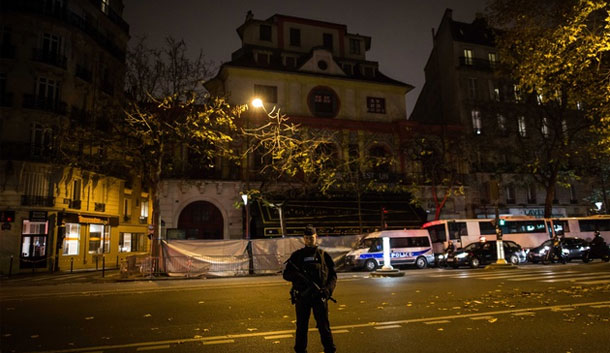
485,252
571,248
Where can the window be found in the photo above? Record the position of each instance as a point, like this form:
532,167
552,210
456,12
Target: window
41,142
510,193
517,93
267,94
476,121
472,87
144,210
531,193
327,41
492,60
47,91
71,243
369,71
126,209
105,6
295,37
132,242
545,127
564,127
539,99
501,123
354,46
263,58
265,33
468,57
99,239
76,189
51,44
323,102
494,91
522,126
573,198
375,105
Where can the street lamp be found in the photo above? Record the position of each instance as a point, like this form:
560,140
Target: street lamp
257,103
245,198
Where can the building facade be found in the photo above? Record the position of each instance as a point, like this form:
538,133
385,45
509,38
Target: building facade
318,75
462,83
62,70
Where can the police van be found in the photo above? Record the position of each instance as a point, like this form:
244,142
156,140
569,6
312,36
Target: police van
407,246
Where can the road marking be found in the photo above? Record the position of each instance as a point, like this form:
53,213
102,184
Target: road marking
559,275
277,337
600,306
150,348
340,331
387,327
219,342
563,309
525,275
527,313
596,282
482,318
229,337
573,279
437,322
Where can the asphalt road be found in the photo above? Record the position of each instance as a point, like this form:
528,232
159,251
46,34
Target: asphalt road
535,308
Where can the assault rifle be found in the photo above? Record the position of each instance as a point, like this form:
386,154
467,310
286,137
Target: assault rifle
311,285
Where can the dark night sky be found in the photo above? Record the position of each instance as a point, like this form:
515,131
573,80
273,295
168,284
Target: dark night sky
401,30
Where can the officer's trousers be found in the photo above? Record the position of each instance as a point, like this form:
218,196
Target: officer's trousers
304,307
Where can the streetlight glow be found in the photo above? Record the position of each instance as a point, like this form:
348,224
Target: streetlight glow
245,198
257,103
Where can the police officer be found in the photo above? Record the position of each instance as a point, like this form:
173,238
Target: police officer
312,273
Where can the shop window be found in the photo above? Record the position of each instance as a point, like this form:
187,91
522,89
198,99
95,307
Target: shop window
33,244
132,242
99,239
71,243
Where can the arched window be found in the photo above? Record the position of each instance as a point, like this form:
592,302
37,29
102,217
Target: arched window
323,102
380,159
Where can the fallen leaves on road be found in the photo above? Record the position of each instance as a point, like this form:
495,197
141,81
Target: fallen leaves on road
89,318
147,315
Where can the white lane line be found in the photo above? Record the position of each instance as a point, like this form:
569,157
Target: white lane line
150,348
219,342
576,278
229,337
557,275
562,309
595,282
437,322
482,318
387,327
275,337
542,274
527,313
340,331
600,306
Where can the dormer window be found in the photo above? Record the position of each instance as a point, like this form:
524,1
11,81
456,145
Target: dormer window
368,71
295,37
290,61
265,33
327,41
348,68
263,58
354,46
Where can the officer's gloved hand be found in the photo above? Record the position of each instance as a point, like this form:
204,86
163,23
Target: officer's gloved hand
325,293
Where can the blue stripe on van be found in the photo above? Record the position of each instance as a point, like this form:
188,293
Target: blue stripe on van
397,254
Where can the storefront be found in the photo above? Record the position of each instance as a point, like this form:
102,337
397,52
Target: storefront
34,240
86,241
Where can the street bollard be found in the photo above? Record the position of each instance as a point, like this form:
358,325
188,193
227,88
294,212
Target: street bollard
71,264
103,265
117,262
10,267
97,260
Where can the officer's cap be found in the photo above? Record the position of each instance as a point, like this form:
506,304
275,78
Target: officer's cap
310,230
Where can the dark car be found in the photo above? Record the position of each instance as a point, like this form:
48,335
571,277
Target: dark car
571,248
485,252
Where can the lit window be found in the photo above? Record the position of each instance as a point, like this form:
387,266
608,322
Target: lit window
545,127
468,57
501,123
323,102
522,127
476,121
99,239
105,6
144,209
71,243
517,93
492,60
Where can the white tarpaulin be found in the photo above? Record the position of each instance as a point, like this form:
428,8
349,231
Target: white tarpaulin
230,257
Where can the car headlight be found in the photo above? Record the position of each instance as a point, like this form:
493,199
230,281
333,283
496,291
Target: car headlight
461,255
565,251
583,248
441,257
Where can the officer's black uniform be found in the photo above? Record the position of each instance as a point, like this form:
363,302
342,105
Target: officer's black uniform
318,266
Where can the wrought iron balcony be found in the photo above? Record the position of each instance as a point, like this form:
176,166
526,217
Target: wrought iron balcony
51,58
478,64
44,103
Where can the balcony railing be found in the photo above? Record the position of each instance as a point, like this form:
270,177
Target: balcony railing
479,64
100,207
34,200
143,220
44,103
75,204
50,58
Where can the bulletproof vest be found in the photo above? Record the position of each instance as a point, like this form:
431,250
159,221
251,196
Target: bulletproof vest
315,266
